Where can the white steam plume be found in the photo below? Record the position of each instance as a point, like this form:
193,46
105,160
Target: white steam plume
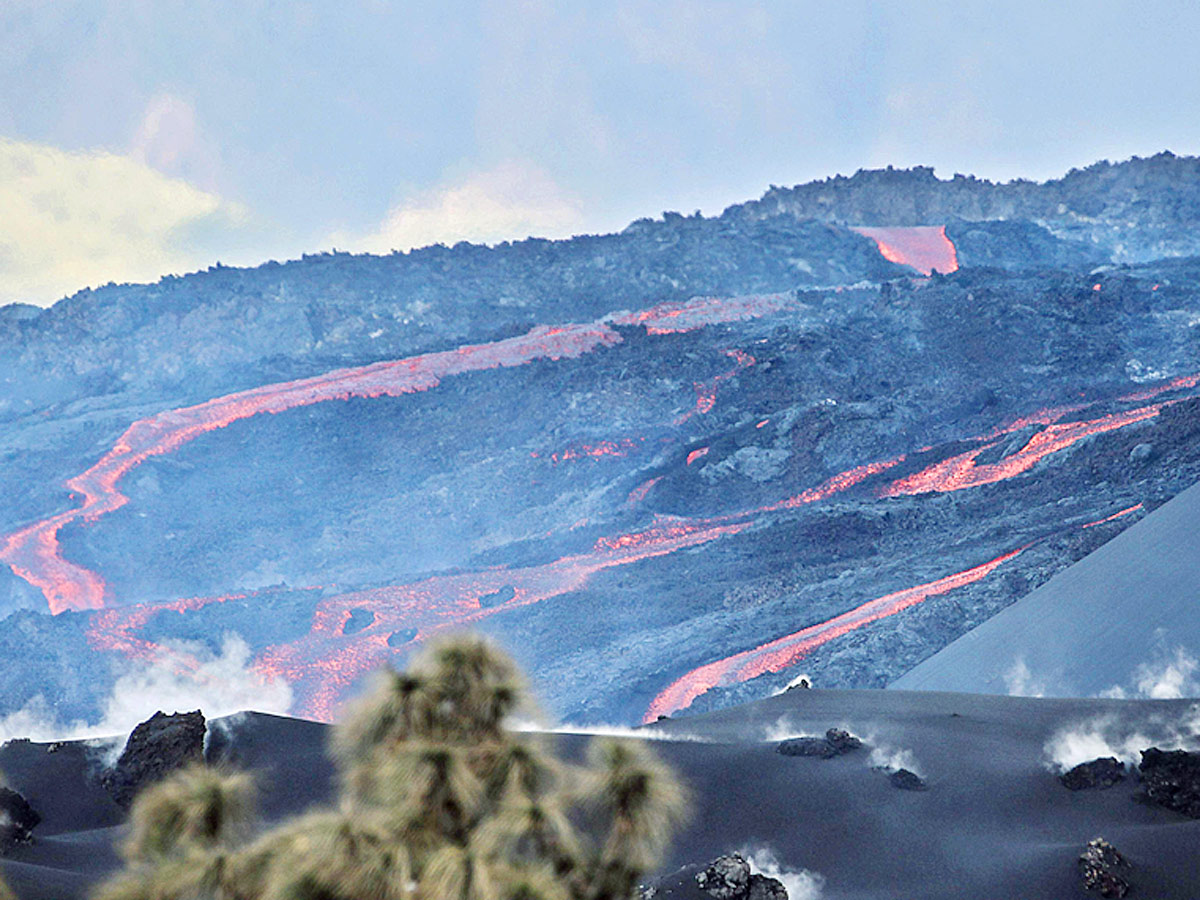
1019,681
1106,736
801,884
185,676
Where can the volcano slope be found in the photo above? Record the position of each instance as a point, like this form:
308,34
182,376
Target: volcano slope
1122,619
993,820
667,467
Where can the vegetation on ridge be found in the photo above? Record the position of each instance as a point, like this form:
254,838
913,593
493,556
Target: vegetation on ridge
438,800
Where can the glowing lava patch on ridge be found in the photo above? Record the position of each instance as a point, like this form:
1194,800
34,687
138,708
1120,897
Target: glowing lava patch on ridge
921,247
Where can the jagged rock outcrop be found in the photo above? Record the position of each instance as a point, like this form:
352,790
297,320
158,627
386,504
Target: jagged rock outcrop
1102,869
1171,778
156,747
835,743
729,878
906,780
17,820
1098,773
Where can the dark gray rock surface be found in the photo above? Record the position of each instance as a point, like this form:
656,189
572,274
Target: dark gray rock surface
17,820
1098,773
1103,870
156,747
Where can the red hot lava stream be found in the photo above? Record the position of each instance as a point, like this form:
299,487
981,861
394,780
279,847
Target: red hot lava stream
962,471
922,247
324,663
33,553
786,651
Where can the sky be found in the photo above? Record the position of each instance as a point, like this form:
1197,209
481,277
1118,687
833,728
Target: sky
142,138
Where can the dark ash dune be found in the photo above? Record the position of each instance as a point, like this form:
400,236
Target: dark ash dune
994,820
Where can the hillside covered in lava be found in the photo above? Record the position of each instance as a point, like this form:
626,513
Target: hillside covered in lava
827,432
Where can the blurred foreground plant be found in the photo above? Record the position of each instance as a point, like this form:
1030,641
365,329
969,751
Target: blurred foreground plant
438,800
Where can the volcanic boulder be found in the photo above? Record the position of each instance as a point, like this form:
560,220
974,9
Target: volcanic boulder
835,743
729,878
906,780
17,820
155,748
1099,773
1171,778
1101,867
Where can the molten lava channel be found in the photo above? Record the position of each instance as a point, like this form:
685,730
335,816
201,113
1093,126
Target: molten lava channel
788,650
921,247
34,554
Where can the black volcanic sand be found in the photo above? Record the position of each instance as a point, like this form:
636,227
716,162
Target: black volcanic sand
994,823
1146,582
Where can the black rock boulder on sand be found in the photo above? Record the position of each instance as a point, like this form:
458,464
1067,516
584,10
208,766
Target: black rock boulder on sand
157,747
997,816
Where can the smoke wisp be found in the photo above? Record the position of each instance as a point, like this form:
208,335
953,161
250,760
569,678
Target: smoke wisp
184,676
801,884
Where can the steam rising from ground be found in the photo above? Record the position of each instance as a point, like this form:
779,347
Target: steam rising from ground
883,755
617,731
1107,736
184,676
801,884
1019,681
893,759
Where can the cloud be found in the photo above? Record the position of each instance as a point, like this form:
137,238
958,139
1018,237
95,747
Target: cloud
169,139
509,201
183,677
80,219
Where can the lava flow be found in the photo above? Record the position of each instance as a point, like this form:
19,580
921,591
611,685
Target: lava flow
922,247
786,651
699,312
34,554
325,662
706,391
962,471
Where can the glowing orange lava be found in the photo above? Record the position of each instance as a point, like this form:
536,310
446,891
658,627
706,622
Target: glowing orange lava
922,247
1115,515
696,454
638,494
596,451
699,312
33,552
324,663
962,471
786,651
706,391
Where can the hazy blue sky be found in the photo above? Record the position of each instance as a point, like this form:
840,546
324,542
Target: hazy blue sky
138,138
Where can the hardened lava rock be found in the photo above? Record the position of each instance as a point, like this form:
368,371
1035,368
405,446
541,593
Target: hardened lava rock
1171,778
1101,869
17,820
729,878
835,743
1098,773
157,747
